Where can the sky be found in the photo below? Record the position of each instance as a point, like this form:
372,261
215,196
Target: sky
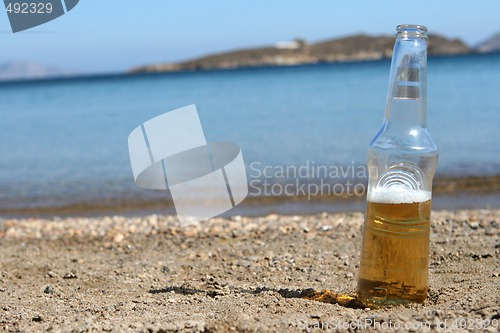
105,36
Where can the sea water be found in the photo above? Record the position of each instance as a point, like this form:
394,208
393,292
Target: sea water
65,141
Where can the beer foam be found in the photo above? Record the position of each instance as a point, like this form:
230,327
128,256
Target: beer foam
398,195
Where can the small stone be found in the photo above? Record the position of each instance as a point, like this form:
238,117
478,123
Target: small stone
37,318
349,275
51,274
190,231
272,217
70,275
202,256
118,238
269,255
49,289
315,315
474,225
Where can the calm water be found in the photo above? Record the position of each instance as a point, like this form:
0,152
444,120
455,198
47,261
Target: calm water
65,141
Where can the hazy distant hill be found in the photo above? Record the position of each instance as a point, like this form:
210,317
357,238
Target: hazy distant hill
23,70
352,48
492,44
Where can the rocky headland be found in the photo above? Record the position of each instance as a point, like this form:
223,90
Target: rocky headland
299,52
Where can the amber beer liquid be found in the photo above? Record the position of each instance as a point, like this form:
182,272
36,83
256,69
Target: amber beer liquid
395,252
402,159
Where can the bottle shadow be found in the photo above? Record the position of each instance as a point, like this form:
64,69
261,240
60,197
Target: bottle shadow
325,296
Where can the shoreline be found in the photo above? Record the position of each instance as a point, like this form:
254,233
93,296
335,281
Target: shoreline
448,193
252,206
127,74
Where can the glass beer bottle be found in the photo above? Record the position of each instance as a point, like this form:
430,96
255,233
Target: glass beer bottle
402,159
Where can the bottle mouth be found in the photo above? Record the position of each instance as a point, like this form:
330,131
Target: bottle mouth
410,31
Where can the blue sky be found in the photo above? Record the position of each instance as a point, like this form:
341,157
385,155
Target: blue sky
111,35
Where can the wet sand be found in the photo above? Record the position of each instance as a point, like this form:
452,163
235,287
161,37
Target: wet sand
449,192
146,274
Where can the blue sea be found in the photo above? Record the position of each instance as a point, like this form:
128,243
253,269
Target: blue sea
63,142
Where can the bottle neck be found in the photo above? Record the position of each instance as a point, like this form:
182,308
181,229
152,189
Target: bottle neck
407,93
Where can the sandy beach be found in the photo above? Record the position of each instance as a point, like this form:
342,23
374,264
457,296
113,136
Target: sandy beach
146,274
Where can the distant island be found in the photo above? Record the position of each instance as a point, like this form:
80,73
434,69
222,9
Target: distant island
490,45
299,52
